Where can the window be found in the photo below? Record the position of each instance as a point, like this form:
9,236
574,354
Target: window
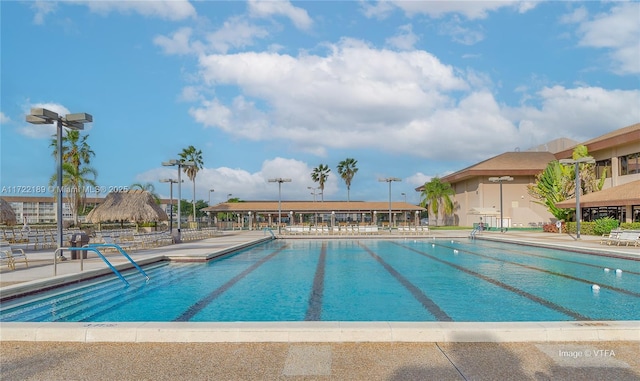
602,166
630,164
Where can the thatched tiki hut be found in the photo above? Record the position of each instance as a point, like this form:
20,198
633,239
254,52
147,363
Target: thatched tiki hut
7,215
134,205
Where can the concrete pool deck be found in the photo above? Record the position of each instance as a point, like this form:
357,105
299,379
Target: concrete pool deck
304,350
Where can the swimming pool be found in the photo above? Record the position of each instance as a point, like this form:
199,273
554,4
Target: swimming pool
356,280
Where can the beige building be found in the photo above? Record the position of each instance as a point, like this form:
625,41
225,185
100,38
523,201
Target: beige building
617,154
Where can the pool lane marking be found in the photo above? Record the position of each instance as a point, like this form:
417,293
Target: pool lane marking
505,286
202,303
426,302
567,276
567,260
314,310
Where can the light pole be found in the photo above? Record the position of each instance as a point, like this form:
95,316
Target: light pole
180,164
389,180
405,201
72,122
209,204
501,180
171,182
576,163
279,180
315,215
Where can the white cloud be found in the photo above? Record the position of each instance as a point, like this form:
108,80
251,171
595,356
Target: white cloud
577,113
405,39
236,32
4,119
174,10
406,102
42,9
459,33
244,184
178,43
618,31
472,9
298,16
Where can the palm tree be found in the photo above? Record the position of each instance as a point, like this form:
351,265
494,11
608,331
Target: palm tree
146,187
320,175
75,182
347,169
76,153
437,195
195,155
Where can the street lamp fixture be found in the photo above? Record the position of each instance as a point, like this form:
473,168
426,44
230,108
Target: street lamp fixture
177,237
72,122
576,163
501,180
279,180
209,204
171,182
389,180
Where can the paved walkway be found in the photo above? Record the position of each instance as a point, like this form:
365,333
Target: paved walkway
363,359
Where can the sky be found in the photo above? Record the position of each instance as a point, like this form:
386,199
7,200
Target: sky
268,89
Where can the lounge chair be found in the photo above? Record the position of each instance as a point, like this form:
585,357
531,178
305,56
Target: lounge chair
11,255
611,237
627,237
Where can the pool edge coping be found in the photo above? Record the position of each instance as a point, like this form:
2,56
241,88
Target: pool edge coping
338,331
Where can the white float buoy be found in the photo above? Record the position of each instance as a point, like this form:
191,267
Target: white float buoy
618,271
455,251
433,245
451,241
606,270
595,287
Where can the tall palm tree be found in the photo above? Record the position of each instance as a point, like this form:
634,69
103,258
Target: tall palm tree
195,155
437,195
320,175
75,182
76,172
347,169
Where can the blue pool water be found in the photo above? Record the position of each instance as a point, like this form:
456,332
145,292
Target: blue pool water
351,280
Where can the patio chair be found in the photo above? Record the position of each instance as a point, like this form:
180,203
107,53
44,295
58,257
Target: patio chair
12,255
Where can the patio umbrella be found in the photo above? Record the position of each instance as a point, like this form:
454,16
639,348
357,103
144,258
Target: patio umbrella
133,205
7,215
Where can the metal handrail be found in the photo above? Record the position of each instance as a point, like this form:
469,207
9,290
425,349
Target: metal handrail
95,250
270,231
121,250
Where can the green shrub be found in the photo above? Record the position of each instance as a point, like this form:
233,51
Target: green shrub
605,225
630,225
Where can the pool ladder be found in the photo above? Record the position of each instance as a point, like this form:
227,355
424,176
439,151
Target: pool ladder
94,247
270,231
473,233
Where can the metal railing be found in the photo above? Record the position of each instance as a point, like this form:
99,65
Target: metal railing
95,248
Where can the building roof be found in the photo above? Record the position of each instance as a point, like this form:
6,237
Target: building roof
615,138
621,195
507,164
311,207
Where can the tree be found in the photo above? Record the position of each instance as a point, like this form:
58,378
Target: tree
551,187
75,183
437,195
320,175
347,169
557,183
77,175
195,155
146,187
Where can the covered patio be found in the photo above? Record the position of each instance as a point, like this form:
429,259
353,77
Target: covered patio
260,214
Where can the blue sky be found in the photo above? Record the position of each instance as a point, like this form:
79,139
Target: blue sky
268,89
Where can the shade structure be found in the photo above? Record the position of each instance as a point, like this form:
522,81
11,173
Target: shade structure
133,205
7,215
